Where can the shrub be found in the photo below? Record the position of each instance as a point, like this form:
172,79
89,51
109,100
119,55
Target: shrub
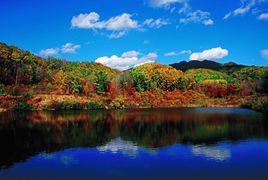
65,105
15,91
21,105
214,88
49,85
3,91
28,94
119,103
259,104
92,104
213,83
254,77
201,75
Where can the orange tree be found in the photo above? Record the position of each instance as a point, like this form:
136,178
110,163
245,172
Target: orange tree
152,76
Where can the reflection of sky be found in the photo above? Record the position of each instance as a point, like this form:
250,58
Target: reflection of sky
118,145
65,159
47,156
214,152
247,159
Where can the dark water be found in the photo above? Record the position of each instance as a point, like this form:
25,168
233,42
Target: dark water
195,143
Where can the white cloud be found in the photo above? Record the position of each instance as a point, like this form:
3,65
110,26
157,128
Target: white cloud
92,21
150,57
174,53
126,60
246,6
198,16
117,26
49,52
211,54
185,52
186,8
163,3
116,35
121,22
264,53
208,22
130,54
263,16
155,23
69,48
226,16
65,49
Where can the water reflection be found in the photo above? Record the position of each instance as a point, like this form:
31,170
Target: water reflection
120,146
23,135
212,152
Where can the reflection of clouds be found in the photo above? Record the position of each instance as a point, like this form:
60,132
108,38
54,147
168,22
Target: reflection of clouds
118,145
215,153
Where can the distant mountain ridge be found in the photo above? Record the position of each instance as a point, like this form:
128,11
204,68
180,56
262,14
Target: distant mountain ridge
206,64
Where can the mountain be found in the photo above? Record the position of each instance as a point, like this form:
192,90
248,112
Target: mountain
206,64
184,66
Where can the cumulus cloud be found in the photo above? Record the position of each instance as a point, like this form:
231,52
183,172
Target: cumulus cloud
198,16
126,60
211,54
69,48
155,23
49,52
119,25
92,21
114,27
263,16
264,53
246,6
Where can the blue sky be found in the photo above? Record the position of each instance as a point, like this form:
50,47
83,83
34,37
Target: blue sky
125,33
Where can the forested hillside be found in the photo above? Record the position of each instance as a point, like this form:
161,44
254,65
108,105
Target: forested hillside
31,82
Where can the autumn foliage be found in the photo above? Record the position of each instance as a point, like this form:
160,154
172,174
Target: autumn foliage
33,79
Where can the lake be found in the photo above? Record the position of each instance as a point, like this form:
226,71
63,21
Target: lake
185,143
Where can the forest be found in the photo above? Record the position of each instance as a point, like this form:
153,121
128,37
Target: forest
29,82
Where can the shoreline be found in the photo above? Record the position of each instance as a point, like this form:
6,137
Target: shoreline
43,102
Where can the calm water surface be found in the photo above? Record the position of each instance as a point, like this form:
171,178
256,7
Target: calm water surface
193,143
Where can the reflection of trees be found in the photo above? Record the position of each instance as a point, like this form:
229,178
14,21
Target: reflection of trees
25,134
